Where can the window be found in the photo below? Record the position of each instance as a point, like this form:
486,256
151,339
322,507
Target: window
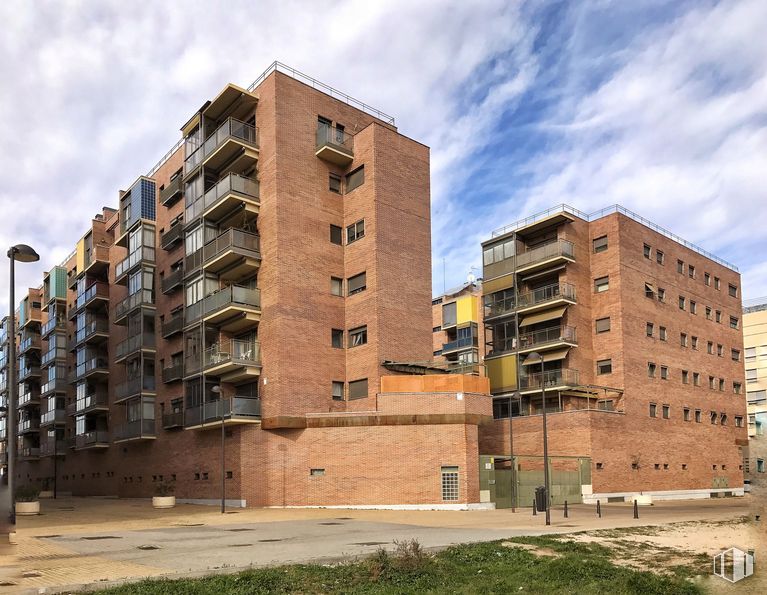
660,257
760,465
698,416
601,284
691,271
604,366
336,286
355,179
687,416
603,325
436,329
358,336
683,339
738,421
355,231
661,294
723,421
720,350
651,369
707,279
735,354
358,389
721,385
316,472
337,338
500,408
710,347
664,372
650,329
713,416
693,307
680,267
666,411
334,183
357,283
694,343
737,388
449,483
719,316
498,252
750,354
600,244
647,251
682,302
663,333
336,235
751,375
696,378
449,314
711,382
732,290
653,410
733,322
717,283
337,390
649,290
685,377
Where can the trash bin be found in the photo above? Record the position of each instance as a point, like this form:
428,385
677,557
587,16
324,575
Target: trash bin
540,499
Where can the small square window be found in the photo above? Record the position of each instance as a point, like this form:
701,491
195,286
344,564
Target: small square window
337,338
737,388
336,235
657,466
357,283
604,366
649,329
733,322
738,421
358,336
649,291
647,251
603,325
355,231
660,257
600,244
337,390
665,465
601,284
684,466
732,290
334,183
735,354
358,389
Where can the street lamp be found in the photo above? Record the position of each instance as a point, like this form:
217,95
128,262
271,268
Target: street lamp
512,396
20,253
531,359
217,389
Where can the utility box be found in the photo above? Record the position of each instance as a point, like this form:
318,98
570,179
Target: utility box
540,499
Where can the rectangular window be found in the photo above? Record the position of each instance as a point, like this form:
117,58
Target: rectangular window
358,336
336,286
661,294
719,316
337,390
708,312
334,183
355,179
717,283
316,472
696,378
336,235
751,375
649,291
710,347
737,388
760,465
651,369
735,355
680,267
357,283
664,373
600,244
601,284
666,411
733,322
685,377
698,416
694,343
358,389
660,257
707,279
711,382
449,314
691,271
683,339
647,251
750,353
449,483
720,350
693,307
663,333
732,290
687,416
721,385
604,366
682,302
713,417
650,329
603,325
653,410
337,338
738,421
355,231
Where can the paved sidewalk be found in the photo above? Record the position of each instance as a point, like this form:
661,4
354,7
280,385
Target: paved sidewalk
80,541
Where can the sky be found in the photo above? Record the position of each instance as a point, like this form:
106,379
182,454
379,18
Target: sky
660,106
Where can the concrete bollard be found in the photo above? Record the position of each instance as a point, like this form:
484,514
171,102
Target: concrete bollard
534,508
636,509
566,509
599,509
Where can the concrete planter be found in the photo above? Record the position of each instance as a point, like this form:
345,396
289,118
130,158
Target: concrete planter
46,494
163,501
27,508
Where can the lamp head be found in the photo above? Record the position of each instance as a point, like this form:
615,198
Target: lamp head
23,253
215,389
533,358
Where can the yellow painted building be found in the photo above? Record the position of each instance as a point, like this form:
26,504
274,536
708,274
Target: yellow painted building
755,345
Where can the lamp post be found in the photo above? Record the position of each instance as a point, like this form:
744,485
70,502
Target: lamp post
531,359
217,389
20,253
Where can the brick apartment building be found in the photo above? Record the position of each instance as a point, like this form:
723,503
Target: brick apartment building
458,333
245,295
641,337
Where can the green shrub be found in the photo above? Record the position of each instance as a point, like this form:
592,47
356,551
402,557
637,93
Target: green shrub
27,493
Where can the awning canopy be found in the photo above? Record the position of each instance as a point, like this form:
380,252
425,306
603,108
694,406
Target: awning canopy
549,356
543,316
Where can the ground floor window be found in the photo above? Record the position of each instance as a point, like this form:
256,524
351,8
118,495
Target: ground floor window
450,483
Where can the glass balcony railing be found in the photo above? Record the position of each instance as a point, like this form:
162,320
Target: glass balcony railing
92,439
29,452
549,379
92,366
462,343
223,409
141,254
136,429
57,416
172,281
96,290
169,238
173,420
134,387
92,402
549,293
28,397
171,192
528,259
172,326
144,297
334,144
236,240
29,425
29,341
234,351
53,354
234,295
138,342
173,373
96,326
547,336
231,129
56,383
231,185
54,324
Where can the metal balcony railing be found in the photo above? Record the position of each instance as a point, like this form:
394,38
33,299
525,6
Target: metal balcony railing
172,326
172,281
193,261
92,327
28,397
141,254
223,409
94,438
230,184
55,384
29,341
173,373
29,452
29,371
549,293
234,295
50,448
143,297
461,343
233,351
555,334
231,239
135,343
173,235
557,248
139,428
91,402
54,324
173,420
29,425
550,378
95,364
171,191
57,416
335,137
53,354
134,387
98,289
230,129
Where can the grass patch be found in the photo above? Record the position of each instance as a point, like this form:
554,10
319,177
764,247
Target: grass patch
474,568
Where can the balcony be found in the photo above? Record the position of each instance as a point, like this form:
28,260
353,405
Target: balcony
460,344
143,254
94,439
140,429
548,338
558,252
173,373
172,326
172,237
234,410
51,448
142,298
172,281
140,342
234,144
334,145
232,255
229,193
135,387
234,360
29,372
546,297
58,384
29,453
97,260
29,398
172,192
97,401
192,262
95,332
30,342
52,325
499,308
53,418
232,309
29,426
96,368
560,379
173,420
33,317
96,295
53,356
72,278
